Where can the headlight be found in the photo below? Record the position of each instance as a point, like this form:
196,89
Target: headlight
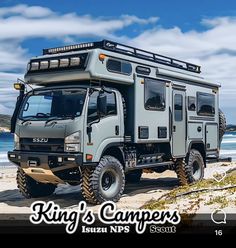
16,142
72,147
72,142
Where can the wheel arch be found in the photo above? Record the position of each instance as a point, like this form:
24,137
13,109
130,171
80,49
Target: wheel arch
115,150
199,146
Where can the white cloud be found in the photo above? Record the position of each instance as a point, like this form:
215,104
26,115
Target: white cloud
129,19
7,93
6,77
49,24
22,22
12,56
27,11
213,47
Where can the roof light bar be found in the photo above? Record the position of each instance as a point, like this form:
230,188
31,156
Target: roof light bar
55,63
34,66
64,62
74,61
44,65
65,49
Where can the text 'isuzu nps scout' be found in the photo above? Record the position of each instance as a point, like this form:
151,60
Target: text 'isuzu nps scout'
106,111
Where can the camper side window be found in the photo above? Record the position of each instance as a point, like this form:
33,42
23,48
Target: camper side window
205,104
118,66
178,101
154,94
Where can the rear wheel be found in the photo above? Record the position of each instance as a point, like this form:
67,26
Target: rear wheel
222,125
104,182
133,176
191,169
30,188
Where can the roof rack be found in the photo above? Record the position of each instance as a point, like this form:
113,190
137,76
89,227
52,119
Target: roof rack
127,50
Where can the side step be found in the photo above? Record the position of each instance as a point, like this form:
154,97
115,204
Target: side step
151,165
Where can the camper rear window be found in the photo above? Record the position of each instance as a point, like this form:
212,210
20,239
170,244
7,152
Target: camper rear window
118,66
154,94
205,104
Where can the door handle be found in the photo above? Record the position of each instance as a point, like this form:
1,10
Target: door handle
117,130
199,129
174,128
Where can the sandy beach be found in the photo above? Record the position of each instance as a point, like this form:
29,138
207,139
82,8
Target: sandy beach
151,187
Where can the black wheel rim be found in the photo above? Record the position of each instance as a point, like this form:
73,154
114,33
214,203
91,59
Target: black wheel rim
107,180
109,183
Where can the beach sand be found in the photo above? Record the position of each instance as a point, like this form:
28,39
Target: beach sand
151,187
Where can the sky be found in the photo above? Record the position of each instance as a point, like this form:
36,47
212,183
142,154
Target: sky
201,32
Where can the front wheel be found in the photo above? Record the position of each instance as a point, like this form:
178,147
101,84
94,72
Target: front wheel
191,169
103,183
30,188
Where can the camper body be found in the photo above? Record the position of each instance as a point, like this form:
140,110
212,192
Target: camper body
106,111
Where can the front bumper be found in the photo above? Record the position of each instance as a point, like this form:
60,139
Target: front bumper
59,165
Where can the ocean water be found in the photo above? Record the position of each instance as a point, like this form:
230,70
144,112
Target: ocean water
228,146
6,144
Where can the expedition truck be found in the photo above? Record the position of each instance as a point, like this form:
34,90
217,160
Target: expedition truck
99,113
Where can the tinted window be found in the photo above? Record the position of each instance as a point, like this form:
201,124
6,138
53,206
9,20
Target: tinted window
191,103
54,104
92,106
178,100
111,104
143,70
119,66
154,94
205,104
126,68
37,104
114,65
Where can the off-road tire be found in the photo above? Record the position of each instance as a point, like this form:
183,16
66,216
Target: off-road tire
133,176
92,181
222,125
184,168
30,188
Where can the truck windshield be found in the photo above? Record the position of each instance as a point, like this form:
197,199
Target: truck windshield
58,104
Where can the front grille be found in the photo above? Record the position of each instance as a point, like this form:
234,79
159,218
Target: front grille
53,145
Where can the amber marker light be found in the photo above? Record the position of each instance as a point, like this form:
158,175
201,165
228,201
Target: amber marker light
102,57
19,86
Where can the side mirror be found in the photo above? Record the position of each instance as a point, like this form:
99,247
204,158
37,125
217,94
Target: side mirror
102,105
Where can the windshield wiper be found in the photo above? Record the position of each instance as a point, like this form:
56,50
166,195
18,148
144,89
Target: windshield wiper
53,119
28,118
33,117
72,117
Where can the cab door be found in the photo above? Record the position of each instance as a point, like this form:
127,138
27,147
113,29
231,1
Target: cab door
179,124
106,130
